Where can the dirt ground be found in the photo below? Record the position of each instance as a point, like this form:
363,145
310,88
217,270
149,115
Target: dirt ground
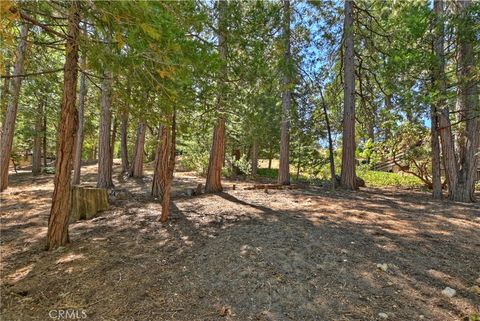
301,254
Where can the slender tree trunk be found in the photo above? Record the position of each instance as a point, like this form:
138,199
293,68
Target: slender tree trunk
284,162
77,163
445,130
114,139
124,141
165,165
8,127
138,153
57,234
254,158
4,97
104,148
330,144
217,153
37,140
45,136
435,143
299,163
468,102
236,157
388,107
348,176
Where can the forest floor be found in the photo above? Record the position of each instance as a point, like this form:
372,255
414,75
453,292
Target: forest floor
299,254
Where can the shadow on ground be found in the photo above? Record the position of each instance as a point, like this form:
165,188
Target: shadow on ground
305,254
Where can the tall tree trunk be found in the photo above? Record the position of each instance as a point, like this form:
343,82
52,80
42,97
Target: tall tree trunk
284,162
217,153
45,136
77,163
270,157
299,162
331,158
348,176
254,158
37,140
435,144
468,102
114,139
57,234
8,127
104,148
138,153
124,141
4,97
445,130
388,108
165,165
236,157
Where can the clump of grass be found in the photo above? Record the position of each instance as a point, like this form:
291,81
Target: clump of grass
268,172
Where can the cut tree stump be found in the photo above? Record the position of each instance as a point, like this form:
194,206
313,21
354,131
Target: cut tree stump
87,202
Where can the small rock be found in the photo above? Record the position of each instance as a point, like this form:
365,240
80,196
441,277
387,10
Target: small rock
421,317
477,281
383,315
224,311
383,266
475,289
449,292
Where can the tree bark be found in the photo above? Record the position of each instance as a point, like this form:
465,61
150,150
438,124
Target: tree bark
388,107
124,141
445,130
348,177
468,102
8,127
37,140
435,145
112,144
165,165
284,161
104,148
217,153
5,91
254,158
236,154
45,136
77,163
57,234
136,169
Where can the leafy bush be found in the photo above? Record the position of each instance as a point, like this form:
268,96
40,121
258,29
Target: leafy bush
197,162
49,170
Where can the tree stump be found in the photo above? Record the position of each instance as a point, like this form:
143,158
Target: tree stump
199,189
87,202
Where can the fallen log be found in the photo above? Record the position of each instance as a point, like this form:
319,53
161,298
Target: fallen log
270,186
87,202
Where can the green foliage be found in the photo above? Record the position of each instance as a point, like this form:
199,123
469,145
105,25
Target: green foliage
385,179
271,173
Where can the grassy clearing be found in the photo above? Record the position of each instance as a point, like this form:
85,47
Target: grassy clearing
385,179
371,178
